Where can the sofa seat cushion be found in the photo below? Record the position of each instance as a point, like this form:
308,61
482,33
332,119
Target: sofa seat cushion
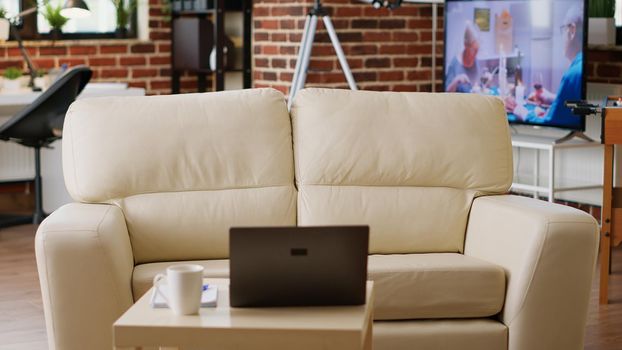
436,285
407,286
142,278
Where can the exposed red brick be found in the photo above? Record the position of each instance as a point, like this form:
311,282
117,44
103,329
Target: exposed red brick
356,11
71,61
321,65
389,76
164,47
261,12
393,49
44,63
138,84
52,51
11,63
608,70
113,49
278,63
160,84
102,61
392,23
380,45
288,24
365,76
143,48
275,37
83,50
142,73
157,60
405,36
16,52
133,61
159,35
287,11
261,37
364,23
114,73
378,62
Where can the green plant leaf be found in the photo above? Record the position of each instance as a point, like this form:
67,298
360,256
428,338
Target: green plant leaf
602,8
12,73
52,15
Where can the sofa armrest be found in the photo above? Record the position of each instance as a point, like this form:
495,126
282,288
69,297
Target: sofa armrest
85,265
549,253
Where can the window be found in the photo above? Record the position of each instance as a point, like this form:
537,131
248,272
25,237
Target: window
102,18
100,24
11,7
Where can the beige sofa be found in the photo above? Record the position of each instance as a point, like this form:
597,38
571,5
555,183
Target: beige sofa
457,263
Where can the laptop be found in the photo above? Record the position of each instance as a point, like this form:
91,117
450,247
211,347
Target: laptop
298,266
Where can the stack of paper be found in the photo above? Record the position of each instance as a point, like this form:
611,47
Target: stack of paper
208,298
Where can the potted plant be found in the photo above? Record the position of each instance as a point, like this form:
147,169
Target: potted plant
52,15
2,12
602,27
125,10
12,77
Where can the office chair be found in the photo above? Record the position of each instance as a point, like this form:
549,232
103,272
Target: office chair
40,124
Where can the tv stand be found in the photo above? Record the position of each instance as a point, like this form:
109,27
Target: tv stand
550,184
571,135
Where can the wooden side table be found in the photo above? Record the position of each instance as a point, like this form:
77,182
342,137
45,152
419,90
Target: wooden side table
611,222
222,327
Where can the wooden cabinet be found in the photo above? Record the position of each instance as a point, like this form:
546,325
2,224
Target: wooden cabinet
212,39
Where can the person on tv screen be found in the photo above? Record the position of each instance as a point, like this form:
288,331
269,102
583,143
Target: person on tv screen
463,70
570,86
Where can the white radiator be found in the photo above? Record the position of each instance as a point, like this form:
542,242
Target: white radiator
17,162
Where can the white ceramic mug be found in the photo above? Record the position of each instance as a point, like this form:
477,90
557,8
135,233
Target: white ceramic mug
185,286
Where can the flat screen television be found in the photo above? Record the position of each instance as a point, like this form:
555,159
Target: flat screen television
527,52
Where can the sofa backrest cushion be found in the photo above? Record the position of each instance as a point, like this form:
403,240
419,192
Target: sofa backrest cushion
183,168
407,164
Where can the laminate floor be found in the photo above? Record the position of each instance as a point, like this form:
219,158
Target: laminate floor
22,326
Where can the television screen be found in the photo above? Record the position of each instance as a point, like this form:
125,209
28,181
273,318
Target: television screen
527,52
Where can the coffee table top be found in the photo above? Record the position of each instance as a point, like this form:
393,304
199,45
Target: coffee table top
225,327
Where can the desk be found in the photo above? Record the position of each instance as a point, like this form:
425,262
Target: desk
17,162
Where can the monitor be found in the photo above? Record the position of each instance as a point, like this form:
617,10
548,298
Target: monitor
527,52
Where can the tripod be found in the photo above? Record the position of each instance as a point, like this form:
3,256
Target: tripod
306,44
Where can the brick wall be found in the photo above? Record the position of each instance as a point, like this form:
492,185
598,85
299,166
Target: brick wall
144,64
386,50
604,64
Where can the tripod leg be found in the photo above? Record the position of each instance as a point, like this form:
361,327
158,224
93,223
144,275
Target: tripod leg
300,73
304,65
303,42
342,57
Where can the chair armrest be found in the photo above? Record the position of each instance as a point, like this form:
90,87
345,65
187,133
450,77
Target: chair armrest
85,265
549,253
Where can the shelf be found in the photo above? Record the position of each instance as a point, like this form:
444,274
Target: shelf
526,182
551,184
548,143
194,12
203,6
194,36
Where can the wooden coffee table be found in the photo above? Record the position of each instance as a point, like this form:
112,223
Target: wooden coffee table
223,327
